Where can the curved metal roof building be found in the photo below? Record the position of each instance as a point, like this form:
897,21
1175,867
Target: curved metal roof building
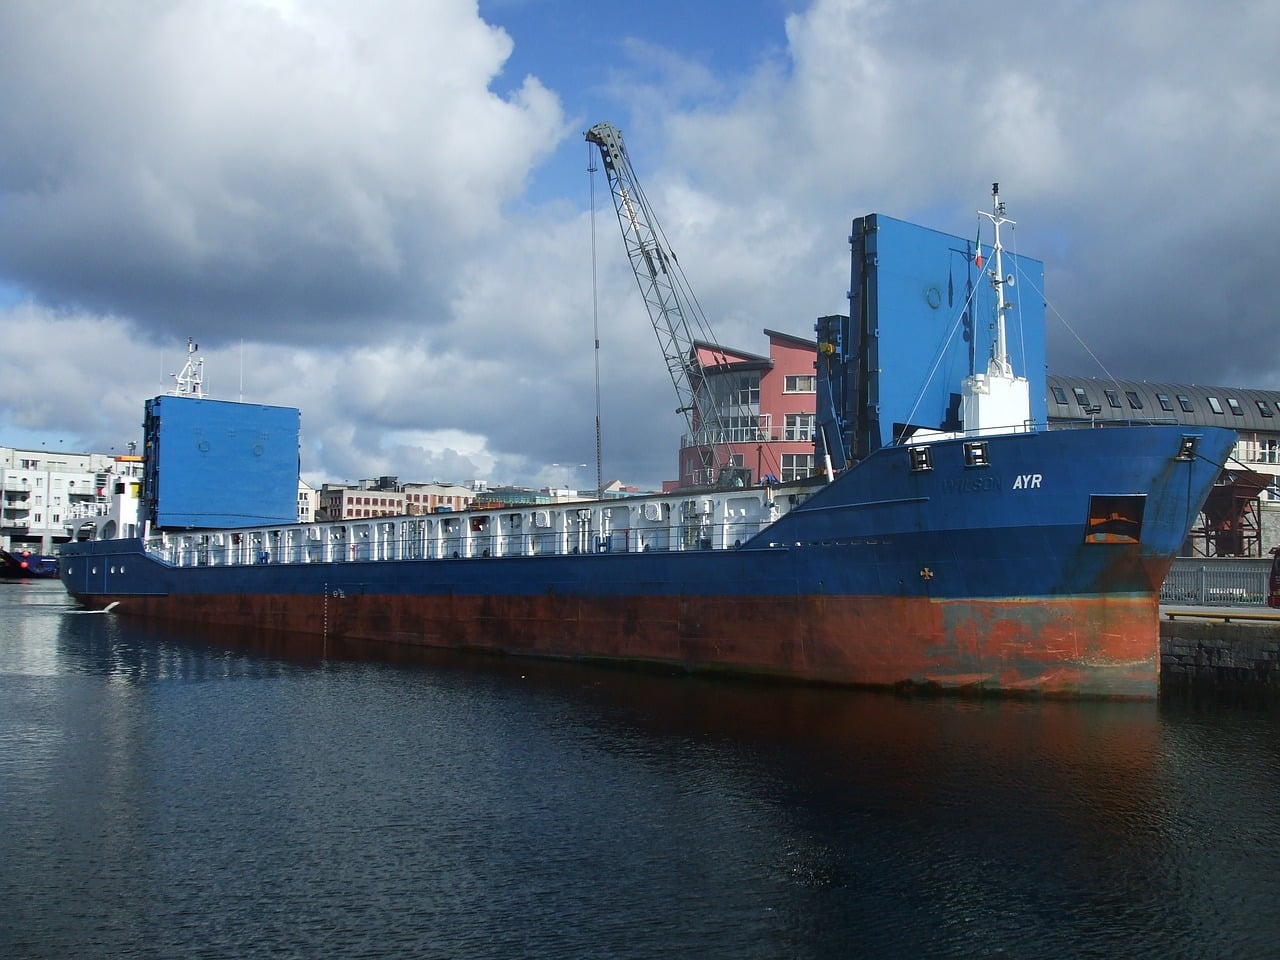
1247,411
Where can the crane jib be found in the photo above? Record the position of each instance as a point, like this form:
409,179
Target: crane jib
667,296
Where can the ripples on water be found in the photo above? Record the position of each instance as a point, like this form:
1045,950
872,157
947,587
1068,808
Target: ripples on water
165,796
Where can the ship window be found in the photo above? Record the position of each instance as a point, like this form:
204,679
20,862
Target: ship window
1082,398
1115,518
1113,398
1214,405
1135,401
975,454
1185,403
1059,395
921,459
1264,409
1234,404
1165,402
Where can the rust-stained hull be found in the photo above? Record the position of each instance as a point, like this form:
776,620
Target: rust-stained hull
1100,647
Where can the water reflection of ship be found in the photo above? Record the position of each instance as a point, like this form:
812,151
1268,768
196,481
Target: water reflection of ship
1089,767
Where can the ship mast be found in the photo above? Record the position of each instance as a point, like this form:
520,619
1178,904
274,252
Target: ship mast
190,382
996,401
999,365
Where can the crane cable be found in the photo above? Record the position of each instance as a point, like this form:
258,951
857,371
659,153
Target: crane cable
595,320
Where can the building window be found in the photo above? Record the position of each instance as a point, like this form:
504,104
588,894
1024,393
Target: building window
1113,398
799,383
1264,409
1185,403
1214,405
1234,404
796,466
799,426
1082,398
1060,395
1135,401
742,391
1165,402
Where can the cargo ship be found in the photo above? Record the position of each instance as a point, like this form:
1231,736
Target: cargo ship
950,540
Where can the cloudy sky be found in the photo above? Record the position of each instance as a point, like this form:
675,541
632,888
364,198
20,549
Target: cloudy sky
379,212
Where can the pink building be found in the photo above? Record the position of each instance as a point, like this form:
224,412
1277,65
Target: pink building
766,407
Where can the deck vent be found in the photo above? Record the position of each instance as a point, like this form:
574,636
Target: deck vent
975,454
1187,449
921,459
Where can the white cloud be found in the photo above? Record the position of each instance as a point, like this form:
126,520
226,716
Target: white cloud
340,187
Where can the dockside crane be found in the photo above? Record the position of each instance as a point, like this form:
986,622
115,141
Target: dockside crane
667,296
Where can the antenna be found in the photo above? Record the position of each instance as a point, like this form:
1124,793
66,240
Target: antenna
190,382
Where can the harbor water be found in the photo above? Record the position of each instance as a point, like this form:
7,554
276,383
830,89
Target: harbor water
164,794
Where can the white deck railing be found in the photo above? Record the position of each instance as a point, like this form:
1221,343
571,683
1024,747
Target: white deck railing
719,520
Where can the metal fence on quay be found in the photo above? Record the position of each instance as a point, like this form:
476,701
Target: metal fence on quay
1216,581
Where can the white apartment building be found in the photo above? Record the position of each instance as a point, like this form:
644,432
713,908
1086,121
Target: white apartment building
308,501
41,491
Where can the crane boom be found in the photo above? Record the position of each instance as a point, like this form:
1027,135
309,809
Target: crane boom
666,293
